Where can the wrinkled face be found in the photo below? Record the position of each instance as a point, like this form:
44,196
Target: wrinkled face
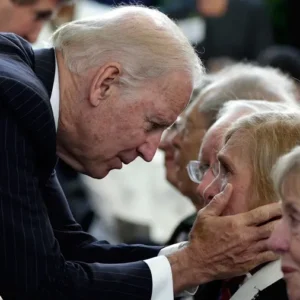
25,20
191,130
285,239
169,150
123,128
209,164
234,167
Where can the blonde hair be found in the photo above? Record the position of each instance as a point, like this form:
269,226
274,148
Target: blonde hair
267,136
284,166
144,41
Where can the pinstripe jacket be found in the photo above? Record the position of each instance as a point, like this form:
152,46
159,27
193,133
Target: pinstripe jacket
44,254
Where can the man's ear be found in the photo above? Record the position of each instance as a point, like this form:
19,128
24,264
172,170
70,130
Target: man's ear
104,81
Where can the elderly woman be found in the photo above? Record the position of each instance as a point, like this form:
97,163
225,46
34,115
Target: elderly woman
204,170
251,147
285,239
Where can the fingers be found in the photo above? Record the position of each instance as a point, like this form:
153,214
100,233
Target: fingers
265,257
218,203
261,214
259,247
264,231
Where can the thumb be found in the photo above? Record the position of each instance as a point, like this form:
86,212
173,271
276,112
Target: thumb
219,202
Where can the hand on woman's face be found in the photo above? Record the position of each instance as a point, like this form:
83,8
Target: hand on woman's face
285,239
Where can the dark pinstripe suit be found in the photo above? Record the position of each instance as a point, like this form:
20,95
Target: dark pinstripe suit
44,254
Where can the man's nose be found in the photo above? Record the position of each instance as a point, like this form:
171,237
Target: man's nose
148,149
211,191
206,180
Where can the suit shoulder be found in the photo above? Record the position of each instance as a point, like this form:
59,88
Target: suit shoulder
16,67
14,45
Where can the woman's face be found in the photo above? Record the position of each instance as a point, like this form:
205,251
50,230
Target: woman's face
285,239
234,167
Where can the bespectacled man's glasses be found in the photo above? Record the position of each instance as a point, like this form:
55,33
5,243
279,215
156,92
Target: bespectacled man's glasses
196,170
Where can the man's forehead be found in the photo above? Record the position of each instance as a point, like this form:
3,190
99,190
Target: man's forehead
212,142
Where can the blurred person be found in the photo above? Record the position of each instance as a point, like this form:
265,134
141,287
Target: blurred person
285,237
230,32
27,17
74,101
251,147
241,81
166,143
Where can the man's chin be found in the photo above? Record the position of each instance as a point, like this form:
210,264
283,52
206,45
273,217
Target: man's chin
101,172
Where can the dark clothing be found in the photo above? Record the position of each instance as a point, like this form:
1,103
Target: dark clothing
44,253
76,193
241,33
181,232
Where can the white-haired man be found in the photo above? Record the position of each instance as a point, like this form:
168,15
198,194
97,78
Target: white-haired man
100,98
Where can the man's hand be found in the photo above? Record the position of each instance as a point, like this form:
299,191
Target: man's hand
223,247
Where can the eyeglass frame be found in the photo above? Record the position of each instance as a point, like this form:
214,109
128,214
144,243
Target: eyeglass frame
196,165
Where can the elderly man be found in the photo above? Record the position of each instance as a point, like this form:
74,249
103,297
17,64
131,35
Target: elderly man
100,98
26,17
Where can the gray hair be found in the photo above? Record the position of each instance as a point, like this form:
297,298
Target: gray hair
255,106
144,41
285,165
246,81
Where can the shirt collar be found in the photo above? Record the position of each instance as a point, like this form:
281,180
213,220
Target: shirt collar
54,100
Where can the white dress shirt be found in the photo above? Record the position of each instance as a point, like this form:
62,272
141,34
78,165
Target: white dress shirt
162,281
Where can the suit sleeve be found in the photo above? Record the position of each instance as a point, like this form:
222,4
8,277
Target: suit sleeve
33,263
